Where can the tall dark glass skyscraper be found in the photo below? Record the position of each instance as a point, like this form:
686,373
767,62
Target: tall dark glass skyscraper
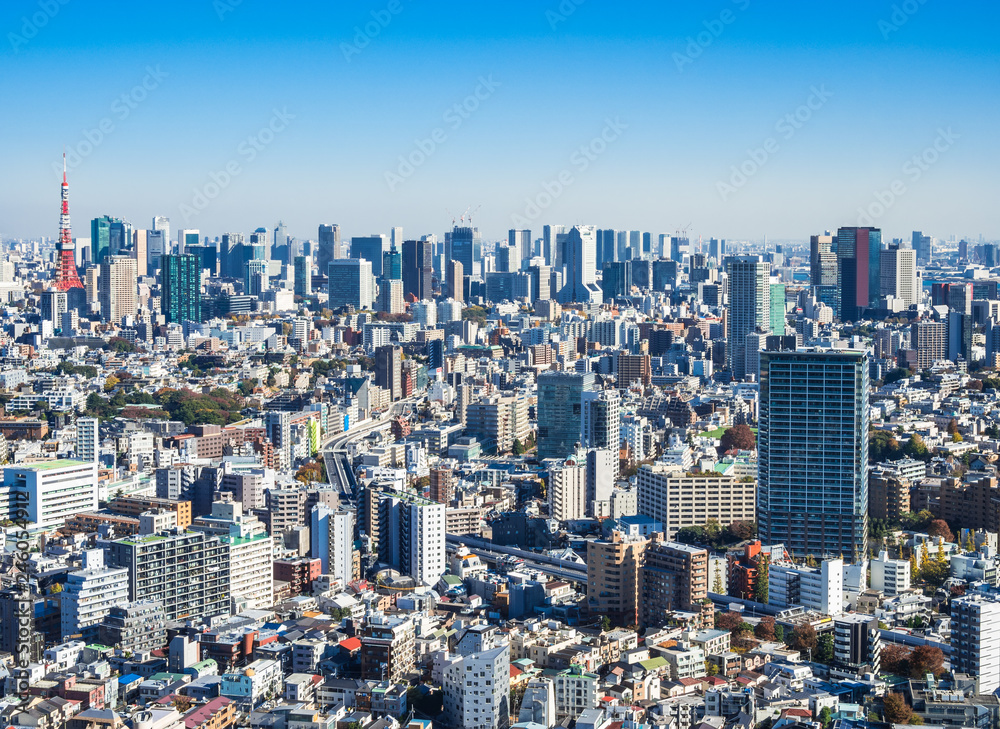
813,452
560,411
181,300
859,256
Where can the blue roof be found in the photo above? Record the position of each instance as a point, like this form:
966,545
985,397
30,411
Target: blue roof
129,678
638,519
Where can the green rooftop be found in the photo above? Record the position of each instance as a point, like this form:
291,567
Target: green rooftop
653,664
50,465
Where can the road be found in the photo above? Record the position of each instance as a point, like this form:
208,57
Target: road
558,568
334,449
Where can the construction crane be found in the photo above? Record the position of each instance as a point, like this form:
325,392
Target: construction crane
473,213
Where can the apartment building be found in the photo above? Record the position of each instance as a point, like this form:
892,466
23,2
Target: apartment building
679,500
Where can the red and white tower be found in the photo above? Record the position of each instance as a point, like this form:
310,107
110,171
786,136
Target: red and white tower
67,276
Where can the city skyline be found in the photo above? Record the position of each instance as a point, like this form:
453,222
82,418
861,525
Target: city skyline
573,114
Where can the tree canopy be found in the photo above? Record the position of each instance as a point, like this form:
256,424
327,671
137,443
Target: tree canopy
739,437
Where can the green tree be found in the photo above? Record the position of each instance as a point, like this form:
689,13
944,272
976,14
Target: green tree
916,448
824,648
779,633
518,447
882,446
825,717
760,585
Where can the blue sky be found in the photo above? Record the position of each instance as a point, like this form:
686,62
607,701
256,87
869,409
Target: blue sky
693,92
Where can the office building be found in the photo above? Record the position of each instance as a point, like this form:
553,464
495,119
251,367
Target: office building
679,500
455,277
390,296
186,572
813,452
392,264
303,276
117,287
673,577
923,246
560,411
140,251
822,260
418,269
331,536
328,246
613,577
389,369
898,271
778,315
975,640
50,491
616,280
749,296
88,440
581,266
181,298
371,248
859,276
109,237
351,283
89,594
256,277
520,241
465,245
187,238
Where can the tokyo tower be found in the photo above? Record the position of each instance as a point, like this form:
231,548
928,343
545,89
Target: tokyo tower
66,274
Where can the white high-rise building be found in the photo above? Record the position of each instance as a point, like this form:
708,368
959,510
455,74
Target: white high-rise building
117,288
749,293
51,491
251,579
520,240
90,593
88,440
476,686
331,537
162,225
412,535
581,266
568,491
890,576
898,272
975,640
815,588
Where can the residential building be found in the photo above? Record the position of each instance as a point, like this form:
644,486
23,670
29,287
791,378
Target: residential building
187,572
117,288
975,640
613,577
673,577
891,577
387,648
498,421
89,594
813,451
681,500
749,294
331,536
567,490
50,491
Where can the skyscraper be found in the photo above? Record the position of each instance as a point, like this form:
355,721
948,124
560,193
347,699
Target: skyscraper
181,299
859,260
617,279
350,283
388,369
108,237
581,266
303,276
560,411
456,281
975,640
370,248
139,251
117,286
256,279
749,306
392,264
187,238
553,237
600,423
521,241
417,268
899,275
813,452
466,246
328,246
923,246
231,255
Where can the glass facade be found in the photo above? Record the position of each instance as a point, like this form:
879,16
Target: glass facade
181,299
560,411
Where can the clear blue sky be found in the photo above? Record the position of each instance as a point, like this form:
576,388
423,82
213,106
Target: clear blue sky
892,87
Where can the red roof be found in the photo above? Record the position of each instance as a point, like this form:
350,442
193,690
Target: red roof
515,671
689,681
351,644
804,713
